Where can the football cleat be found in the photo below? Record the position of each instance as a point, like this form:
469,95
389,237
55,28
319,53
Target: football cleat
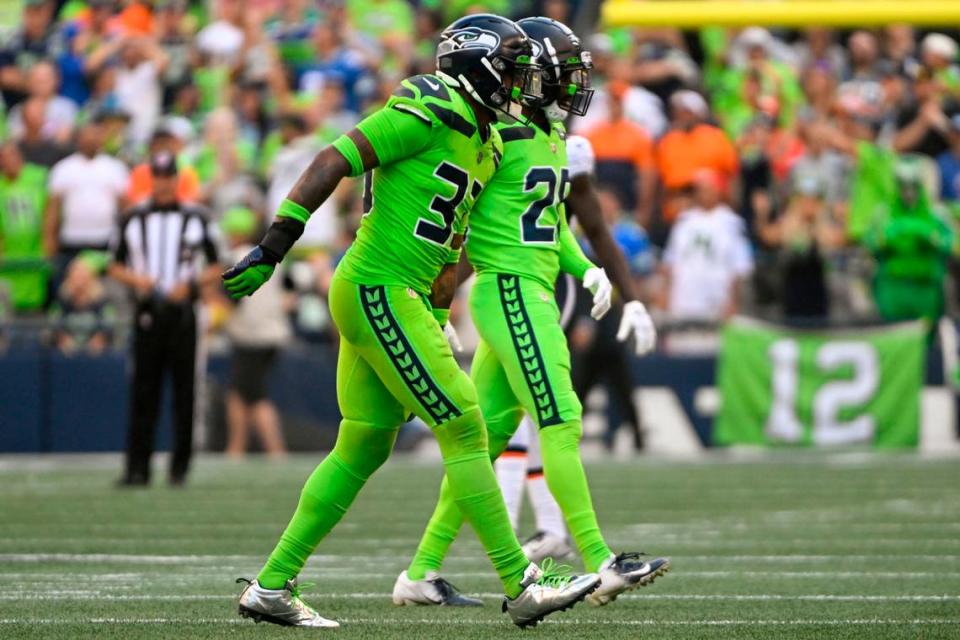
546,545
624,572
280,606
432,590
548,589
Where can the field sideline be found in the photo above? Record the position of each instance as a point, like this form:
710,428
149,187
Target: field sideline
805,546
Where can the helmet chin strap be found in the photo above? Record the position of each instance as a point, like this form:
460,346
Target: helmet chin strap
554,113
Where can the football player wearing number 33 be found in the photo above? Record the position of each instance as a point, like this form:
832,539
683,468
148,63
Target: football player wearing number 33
431,150
518,242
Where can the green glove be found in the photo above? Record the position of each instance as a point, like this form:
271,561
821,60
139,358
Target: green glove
248,275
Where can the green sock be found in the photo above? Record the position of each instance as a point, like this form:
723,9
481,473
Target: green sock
563,471
445,523
326,496
473,487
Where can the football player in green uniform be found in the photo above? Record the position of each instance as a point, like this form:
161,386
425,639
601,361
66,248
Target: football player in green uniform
519,241
432,149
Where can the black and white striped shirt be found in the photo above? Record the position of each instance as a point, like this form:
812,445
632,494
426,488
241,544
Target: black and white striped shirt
168,244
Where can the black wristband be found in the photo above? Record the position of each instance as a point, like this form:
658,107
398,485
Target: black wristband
281,235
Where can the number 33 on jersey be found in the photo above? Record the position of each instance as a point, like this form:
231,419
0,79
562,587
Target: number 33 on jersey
414,209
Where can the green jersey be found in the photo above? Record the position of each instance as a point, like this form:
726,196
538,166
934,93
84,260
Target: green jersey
22,202
519,224
433,163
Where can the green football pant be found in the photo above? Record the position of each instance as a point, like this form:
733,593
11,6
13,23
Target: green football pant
394,360
522,364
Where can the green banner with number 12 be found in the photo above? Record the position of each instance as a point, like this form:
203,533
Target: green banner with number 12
826,388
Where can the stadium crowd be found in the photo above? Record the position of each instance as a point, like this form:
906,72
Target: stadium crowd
808,175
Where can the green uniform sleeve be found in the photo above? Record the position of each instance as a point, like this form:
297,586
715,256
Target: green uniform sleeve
572,258
397,131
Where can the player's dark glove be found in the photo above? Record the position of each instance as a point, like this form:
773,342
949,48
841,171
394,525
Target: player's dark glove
248,275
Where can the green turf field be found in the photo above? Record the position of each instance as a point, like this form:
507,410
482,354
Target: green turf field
811,547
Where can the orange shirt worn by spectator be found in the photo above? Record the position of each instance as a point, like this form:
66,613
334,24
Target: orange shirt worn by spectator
680,154
689,146
141,184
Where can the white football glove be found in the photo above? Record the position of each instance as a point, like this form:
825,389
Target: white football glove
452,337
596,281
637,321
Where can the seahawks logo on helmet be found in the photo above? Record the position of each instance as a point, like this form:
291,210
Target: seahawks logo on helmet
470,38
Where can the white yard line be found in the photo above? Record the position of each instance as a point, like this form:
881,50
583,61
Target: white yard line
469,622
352,561
108,597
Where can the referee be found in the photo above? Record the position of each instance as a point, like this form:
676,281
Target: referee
164,252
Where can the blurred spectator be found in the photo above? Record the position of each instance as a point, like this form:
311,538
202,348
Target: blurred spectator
82,315
258,328
299,148
222,39
291,31
164,252
138,90
387,24
818,49
23,197
801,236
36,40
332,61
173,29
36,147
141,179
759,84
624,154
949,164
924,124
707,255
252,118
59,113
87,190
911,246
690,145
662,65
822,164
864,52
224,163
900,48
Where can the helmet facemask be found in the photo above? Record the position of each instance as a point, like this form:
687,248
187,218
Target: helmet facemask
574,92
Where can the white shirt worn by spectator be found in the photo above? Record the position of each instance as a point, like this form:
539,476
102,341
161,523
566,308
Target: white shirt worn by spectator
291,161
706,252
259,320
640,106
90,190
138,93
59,114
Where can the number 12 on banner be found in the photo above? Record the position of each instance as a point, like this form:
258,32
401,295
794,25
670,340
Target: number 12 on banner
828,399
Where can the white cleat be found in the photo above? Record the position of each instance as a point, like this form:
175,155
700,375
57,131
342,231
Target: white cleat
624,572
432,590
543,545
546,590
280,606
